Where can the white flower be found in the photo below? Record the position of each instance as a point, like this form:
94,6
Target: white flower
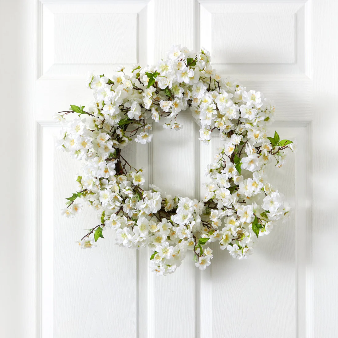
135,111
184,75
164,250
166,105
87,243
226,238
205,134
186,205
67,212
175,53
143,225
231,112
105,197
144,138
159,270
256,135
272,202
98,82
118,78
234,251
177,106
222,193
182,218
248,112
246,214
229,148
249,187
203,262
164,226
155,115
114,221
229,170
224,100
102,138
138,178
252,97
183,232
76,207
251,163
153,226
147,102
198,90
124,237
163,82
165,67
159,238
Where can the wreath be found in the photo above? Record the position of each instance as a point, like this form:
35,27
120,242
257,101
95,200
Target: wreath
239,203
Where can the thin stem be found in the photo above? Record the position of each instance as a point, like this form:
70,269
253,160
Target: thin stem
91,231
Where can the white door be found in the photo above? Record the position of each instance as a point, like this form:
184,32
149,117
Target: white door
51,288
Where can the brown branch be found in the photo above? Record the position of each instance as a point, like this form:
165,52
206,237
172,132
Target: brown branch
71,111
92,230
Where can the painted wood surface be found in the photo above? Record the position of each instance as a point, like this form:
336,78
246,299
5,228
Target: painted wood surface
52,289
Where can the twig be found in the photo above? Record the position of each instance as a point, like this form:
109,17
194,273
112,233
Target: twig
91,231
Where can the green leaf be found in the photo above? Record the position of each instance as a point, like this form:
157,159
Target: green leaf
150,75
233,188
98,234
139,194
256,226
74,196
138,67
238,164
168,92
238,167
77,109
284,143
110,82
102,216
79,179
125,121
264,214
153,255
151,82
276,137
191,62
203,241
272,140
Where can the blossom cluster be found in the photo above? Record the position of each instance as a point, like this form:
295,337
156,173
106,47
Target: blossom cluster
239,204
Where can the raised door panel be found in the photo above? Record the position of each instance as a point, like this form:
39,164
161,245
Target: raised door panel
264,295
82,293
267,38
173,301
78,38
266,46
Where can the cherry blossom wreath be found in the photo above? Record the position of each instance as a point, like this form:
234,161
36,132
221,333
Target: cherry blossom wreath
239,203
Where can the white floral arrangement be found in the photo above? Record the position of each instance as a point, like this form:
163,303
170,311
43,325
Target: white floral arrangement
239,203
